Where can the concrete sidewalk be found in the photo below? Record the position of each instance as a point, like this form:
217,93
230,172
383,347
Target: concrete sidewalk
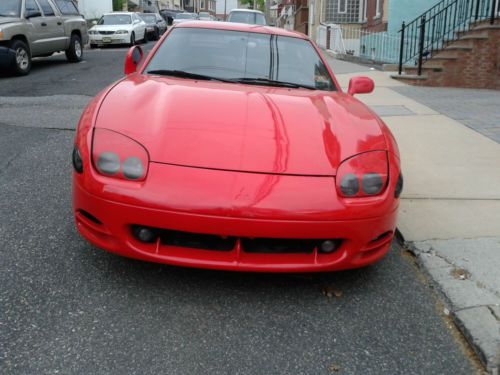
450,207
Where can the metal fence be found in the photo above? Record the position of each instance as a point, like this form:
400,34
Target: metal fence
349,40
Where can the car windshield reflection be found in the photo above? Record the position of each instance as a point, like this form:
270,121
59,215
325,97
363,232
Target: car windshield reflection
243,57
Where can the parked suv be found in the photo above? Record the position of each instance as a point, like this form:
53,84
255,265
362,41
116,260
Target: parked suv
38,28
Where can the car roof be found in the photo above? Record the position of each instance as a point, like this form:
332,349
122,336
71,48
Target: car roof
233,26
246,10
119,13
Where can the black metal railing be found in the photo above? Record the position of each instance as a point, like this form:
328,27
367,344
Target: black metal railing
445,22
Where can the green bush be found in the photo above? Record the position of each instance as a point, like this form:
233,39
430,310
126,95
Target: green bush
118,5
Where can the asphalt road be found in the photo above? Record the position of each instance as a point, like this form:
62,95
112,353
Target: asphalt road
68,308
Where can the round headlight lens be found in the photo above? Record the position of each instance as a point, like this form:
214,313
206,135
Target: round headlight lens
372,183
108,163
349,186
132,168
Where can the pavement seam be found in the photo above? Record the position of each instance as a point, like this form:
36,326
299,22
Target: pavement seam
493,313
35,127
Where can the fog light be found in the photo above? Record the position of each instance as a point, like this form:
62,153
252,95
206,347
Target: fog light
328,246
144,234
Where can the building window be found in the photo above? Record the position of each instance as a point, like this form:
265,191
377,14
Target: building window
342,6
365,14
377,12
202,4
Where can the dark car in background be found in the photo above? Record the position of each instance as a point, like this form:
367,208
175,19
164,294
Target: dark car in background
155,25
169,15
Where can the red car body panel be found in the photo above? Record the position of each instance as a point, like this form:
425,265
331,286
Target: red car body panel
241,127
244,161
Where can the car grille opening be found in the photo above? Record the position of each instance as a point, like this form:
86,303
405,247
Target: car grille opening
90,217
106,32
200,241
196,241
277,245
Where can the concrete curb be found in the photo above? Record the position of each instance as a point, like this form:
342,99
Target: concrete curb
476,313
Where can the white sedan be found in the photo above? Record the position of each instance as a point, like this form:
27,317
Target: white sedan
118,28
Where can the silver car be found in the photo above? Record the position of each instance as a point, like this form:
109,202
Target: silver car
34,28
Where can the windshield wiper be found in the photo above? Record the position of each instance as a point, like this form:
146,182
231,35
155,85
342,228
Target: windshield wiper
272,82
183,74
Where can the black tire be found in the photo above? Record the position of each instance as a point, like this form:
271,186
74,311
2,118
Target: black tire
22,61
74,53
132,39
157,34
145,39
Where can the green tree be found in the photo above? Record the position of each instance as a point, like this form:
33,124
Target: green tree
261,4
118,5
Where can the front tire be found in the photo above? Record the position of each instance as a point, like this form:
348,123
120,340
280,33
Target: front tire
132,39
145,39
74,53
22,61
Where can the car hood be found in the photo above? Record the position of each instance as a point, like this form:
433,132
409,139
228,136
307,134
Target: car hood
4,20
214,125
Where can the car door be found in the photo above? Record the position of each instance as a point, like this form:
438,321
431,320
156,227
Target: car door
162,25
56,38
139,27
37,27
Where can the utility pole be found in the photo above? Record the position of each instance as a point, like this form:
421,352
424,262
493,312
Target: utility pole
225,9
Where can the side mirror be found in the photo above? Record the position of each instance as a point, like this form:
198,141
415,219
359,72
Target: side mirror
32,14
360,85
133,59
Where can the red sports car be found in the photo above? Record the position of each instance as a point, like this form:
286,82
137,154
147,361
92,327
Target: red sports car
233,147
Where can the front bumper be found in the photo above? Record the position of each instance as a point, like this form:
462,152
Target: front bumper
7,58
109,39
114,210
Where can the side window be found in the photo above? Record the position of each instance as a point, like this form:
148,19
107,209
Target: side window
67,7
46,7
32,6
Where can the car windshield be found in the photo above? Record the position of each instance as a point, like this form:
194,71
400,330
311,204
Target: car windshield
247,17
10,8
115,19
204,14
149,18
184,16
241,57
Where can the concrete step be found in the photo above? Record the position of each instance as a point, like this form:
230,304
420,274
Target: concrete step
481,36
441,59
410,78
425,68
462,43
472,32
486,24
446,54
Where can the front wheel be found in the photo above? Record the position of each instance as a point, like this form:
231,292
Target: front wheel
132,39
75,51
145,39
22,62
